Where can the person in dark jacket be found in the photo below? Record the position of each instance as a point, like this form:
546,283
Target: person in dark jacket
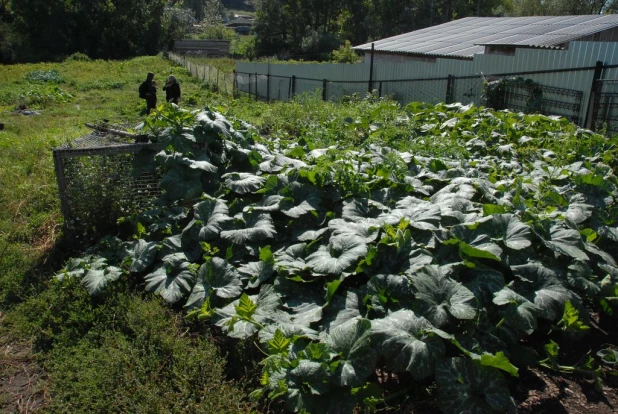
148,91
172,90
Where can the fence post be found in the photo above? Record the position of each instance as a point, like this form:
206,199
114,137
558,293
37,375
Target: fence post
450,90
217,88
268,87
324,89
380,90
293,85
256,86
64,205
594,98
371,72
234,85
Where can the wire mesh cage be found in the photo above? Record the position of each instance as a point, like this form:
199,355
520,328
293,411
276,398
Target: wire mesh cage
101,177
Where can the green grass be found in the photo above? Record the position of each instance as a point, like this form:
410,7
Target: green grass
98,354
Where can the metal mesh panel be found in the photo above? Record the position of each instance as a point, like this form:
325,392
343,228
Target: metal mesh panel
606,108
415,90
101,177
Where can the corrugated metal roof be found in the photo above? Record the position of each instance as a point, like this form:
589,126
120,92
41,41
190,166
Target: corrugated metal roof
465,37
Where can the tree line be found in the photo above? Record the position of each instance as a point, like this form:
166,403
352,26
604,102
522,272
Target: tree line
36,30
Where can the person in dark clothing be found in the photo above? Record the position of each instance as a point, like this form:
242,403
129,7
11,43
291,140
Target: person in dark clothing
172,90
148,91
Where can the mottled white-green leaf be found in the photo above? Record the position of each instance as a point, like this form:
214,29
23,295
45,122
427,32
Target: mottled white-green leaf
425,216
508,229
407,344
341,253
267,301
213,215
541,286
566,241
217,277
579,212
365,230
258,227
305,198
363,210
143,254
467,387
243,183
292,257
520,312
173,279
351,341
95,280
386,291
439,297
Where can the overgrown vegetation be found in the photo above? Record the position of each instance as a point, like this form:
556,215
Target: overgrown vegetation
448,247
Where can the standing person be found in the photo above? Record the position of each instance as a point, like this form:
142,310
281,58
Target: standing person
148,91
172,90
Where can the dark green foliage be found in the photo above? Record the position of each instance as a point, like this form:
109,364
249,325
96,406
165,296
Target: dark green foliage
332,258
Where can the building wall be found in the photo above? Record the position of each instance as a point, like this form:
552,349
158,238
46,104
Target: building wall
415,80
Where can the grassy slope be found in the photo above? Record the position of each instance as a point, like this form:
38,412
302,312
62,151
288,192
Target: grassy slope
123,353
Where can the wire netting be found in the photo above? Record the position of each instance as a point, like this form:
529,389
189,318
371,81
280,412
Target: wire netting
606,108
102,177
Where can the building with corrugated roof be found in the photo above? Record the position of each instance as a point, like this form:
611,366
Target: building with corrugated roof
462,39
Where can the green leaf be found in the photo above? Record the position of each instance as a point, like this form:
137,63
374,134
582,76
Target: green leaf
258,227
173,279
341,253
438,298
358,359
243,183
213,216
570,321
217,277
406,342
466,387
567,242
95,280
143,254
500,361
279,344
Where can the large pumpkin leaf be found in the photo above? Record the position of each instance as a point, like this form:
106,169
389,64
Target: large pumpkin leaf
243,183
423,216
357,358
258,227
341,253
439,297
95,280
143,254
213,215
508,229
467,387
363,210
245,316
182,184
386,291
520,312
541,286
363,229
217,277
305,198
566,241
407,343
173,279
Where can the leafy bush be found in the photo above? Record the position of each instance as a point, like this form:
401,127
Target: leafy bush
44,76
42,96
345,54
336,259
78,57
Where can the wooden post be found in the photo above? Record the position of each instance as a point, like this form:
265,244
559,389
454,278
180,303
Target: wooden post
380,90
217,88
594,98
293,85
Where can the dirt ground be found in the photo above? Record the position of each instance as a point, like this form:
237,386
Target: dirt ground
22,385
